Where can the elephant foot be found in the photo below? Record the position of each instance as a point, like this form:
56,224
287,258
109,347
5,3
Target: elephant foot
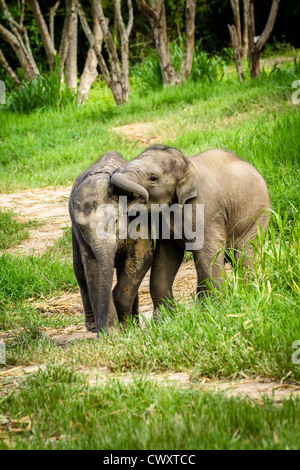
91,326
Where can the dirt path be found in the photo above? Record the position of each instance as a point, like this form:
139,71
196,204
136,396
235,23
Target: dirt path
50,205
255,388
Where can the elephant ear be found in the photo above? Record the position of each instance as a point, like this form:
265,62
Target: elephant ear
187,188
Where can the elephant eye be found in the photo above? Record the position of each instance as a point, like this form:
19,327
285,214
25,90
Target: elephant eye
153,178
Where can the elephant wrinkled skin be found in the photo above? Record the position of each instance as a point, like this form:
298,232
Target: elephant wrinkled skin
94,258
235,199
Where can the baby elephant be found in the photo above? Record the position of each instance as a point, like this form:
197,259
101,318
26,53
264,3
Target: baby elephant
96,252
220,200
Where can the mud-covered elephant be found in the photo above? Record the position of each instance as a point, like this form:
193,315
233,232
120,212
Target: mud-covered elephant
229,195
97,251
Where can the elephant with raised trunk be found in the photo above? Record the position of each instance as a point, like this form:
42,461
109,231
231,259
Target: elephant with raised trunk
95,256
234,200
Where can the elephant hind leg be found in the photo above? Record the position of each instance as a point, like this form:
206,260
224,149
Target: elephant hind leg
210,273
210,264
168,257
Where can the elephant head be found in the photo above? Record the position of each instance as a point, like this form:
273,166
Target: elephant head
160,175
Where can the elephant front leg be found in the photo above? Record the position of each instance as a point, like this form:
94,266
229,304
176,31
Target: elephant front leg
130,274
168,257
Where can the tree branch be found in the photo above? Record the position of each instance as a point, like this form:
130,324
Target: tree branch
52,13
269,25
130,18
112,53
10,71
43,30
146,9
11,39
94,44
17,29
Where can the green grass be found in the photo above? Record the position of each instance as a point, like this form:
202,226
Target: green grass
248,326
27,276
52,147
140,415
13,232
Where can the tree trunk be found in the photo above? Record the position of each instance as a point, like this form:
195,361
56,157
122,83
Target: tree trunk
236,52
245,46
10,71
124,34
157,19
43,30
256,48
115,76
235,5
90,72
156,15
187,62
71,59
254,62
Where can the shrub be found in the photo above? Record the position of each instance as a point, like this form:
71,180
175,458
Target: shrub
46,91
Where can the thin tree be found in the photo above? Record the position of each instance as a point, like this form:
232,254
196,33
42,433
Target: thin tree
90,72
256,44
237,16
156,14
115,72
71,58
17,38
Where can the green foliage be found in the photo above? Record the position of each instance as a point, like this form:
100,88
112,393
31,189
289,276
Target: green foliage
44,92
146,76
206,67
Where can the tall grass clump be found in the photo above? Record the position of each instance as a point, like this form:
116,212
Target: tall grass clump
44,92
273,148
206,67
146,76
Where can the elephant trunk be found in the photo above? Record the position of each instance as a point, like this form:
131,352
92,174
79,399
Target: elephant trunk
105,255
122,182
